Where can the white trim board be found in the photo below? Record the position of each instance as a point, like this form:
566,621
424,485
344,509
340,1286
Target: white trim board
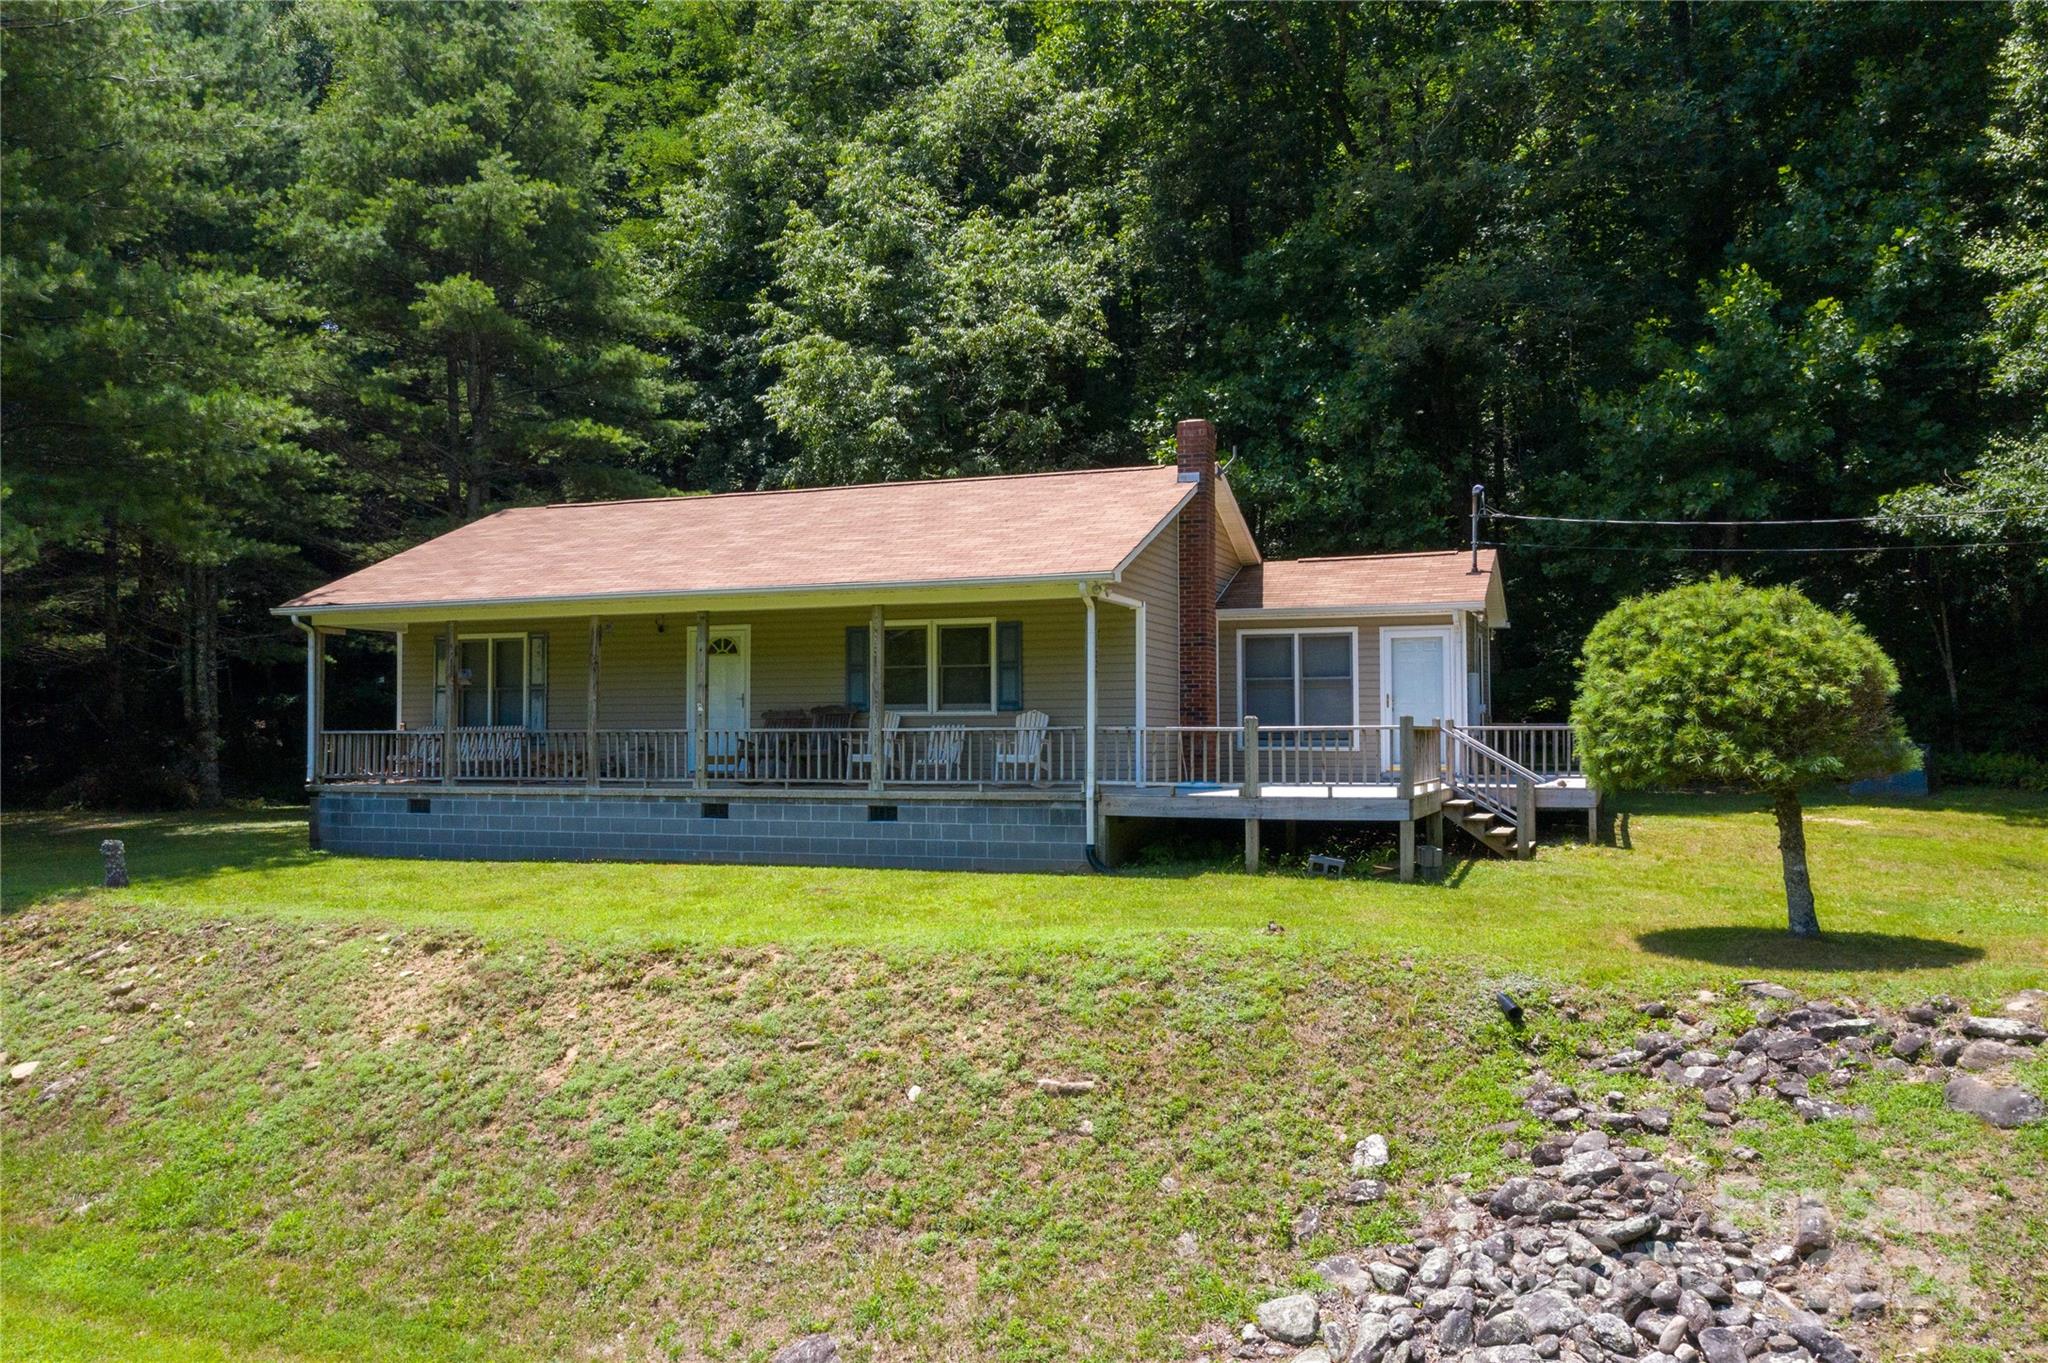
1360,612
931,627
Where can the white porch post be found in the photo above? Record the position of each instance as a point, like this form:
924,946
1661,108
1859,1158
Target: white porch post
700,705
1138,681
1088,763
875,753
450,705
312,700
590,762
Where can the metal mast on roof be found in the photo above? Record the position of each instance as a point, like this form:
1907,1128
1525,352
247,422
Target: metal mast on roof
1478,505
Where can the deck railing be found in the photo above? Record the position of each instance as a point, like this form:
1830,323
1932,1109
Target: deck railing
1549,750
1497,782
1325,756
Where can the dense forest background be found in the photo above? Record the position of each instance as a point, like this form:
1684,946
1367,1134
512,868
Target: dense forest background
290,286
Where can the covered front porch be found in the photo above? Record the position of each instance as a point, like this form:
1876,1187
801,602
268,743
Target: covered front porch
979,693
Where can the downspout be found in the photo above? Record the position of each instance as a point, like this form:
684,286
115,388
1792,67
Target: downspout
1140,681
312,737
1088,743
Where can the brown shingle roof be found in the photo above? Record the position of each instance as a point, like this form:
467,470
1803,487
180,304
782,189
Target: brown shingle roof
1367,582
944,531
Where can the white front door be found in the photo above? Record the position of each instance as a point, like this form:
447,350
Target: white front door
727,655
1415,670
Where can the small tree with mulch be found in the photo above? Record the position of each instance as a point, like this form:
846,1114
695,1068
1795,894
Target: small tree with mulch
1749,688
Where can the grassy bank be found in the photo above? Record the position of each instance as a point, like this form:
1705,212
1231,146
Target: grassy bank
450,1111
1911,892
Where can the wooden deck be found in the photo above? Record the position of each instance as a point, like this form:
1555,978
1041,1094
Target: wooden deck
1490,781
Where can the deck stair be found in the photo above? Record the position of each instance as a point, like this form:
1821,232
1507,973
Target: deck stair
1493,797
1485,827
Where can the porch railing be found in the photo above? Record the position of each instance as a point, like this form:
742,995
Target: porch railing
1327,756
993,756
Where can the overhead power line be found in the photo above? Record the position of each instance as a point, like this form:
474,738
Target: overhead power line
1481,511
1527,547
1808,520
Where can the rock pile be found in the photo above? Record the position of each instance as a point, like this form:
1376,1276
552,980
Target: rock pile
1799,1051
1602,1253
1598,1255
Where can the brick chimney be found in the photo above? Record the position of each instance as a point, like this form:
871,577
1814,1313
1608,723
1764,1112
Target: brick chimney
1195,444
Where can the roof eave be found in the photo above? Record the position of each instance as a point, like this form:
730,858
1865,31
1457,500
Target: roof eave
296,608
1391,608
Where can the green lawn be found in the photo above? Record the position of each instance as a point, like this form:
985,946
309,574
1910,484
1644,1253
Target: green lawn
1910,891
448,1111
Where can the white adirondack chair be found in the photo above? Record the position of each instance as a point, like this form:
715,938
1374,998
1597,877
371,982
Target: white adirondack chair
940,760
1022,757
858,757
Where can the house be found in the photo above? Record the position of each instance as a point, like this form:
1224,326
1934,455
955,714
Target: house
1008,672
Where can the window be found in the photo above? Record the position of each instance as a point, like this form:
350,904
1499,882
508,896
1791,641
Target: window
966,667
1269,678
906,680
971,667
1298,677
502,680
1326,690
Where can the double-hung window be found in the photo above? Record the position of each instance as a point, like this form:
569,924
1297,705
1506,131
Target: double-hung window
963,667
501,680
1299,677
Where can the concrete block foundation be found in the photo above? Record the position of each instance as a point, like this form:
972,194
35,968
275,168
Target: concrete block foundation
953,834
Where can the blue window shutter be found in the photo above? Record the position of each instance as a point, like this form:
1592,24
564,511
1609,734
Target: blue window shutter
857,667
537,682
1010,665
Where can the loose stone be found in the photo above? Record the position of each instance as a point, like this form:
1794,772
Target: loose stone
809,1349
2002,1106
1291,1319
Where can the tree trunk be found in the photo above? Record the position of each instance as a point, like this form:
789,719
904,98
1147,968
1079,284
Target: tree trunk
453,439
1944,644
202,697
1800,917
114,677
479,428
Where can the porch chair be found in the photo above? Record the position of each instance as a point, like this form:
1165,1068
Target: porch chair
857,755
1023,757
940,760
415,757
496,752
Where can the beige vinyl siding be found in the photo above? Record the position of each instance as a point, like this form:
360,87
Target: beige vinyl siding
1367,663
1154,578
797,659
1227,561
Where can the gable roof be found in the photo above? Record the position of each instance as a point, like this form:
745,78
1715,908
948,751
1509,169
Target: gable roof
939,532
1437,580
